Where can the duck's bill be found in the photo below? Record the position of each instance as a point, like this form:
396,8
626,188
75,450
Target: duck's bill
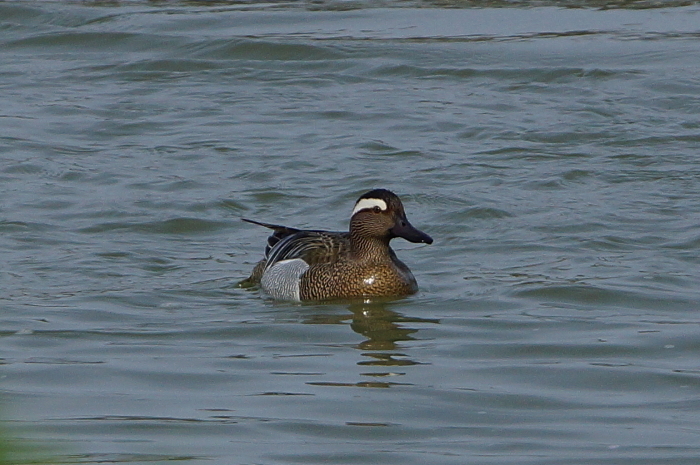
405,230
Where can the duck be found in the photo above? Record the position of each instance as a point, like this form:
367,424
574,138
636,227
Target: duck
316,265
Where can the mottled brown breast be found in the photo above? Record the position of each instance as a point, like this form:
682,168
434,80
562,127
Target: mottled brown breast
348,279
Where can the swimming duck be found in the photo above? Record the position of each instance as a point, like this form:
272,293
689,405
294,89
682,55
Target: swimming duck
321,265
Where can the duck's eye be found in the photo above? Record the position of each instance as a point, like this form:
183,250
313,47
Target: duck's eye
376,209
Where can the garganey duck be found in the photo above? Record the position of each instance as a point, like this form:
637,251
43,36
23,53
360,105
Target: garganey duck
321,265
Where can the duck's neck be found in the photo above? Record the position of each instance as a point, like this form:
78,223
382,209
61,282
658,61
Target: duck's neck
369,248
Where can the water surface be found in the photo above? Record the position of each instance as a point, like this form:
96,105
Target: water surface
551,153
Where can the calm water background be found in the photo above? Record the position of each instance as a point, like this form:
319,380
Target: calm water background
553,154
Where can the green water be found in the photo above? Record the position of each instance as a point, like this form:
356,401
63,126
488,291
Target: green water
551,153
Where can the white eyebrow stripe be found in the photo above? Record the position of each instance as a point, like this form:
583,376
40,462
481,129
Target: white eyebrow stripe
363,204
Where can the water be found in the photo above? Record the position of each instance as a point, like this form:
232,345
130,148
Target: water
551,153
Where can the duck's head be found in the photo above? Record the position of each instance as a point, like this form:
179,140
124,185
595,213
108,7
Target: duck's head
379,213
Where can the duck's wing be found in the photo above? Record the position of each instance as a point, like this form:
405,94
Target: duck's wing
312,246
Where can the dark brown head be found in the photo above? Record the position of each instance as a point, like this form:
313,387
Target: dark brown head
379,213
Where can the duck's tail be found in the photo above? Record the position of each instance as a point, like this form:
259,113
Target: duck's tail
275,227
280,232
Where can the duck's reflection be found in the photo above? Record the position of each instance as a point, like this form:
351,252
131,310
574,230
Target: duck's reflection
383,328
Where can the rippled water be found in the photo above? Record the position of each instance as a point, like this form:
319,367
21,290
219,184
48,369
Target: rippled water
553,155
